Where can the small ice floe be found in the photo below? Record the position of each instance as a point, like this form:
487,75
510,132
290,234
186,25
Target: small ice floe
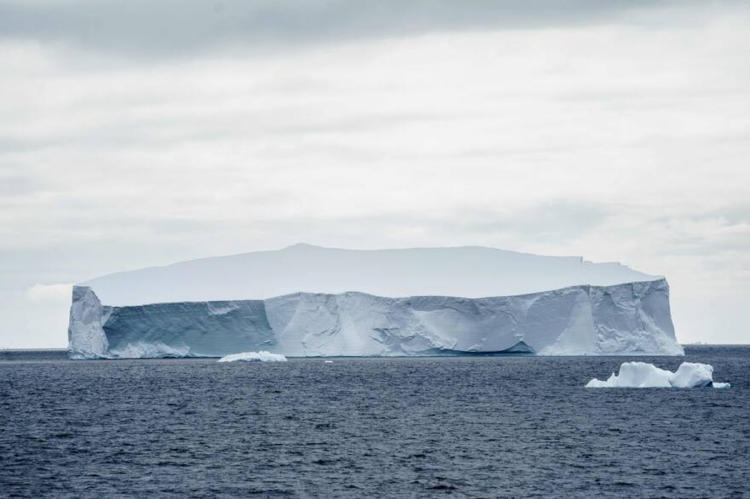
328,362
261,356
644,375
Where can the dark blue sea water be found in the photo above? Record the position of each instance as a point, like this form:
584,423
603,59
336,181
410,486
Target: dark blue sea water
370,427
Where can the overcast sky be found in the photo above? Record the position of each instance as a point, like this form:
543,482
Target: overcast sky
142,133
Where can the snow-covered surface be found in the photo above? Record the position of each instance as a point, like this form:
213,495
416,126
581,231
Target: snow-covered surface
472,272
261,356
644,375
625,319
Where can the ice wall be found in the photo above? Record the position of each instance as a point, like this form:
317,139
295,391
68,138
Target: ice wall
631,318
86,337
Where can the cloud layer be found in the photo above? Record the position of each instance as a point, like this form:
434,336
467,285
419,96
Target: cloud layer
612,130
177,28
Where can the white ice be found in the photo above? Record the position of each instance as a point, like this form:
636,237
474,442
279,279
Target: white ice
261,356
626,319
471,272
645,375
311,301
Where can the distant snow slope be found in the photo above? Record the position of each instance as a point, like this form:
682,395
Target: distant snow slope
471,272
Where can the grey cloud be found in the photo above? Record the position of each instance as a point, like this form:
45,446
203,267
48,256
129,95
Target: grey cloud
730,237
737,214
558,220
13,146
174,128
144,28
17,185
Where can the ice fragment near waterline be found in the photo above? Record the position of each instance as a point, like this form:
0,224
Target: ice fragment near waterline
645,375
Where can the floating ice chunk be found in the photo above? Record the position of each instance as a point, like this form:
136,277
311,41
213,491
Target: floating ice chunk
261,356
692,375
644,375
635,375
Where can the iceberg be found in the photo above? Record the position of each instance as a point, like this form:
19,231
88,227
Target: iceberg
261,356
312,301
644,375
625,319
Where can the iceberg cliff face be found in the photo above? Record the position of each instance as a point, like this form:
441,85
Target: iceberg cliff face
631,318
86,337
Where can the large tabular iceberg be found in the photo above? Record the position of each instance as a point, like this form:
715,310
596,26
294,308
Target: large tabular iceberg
608,318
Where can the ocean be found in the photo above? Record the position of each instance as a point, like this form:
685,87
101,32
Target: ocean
506,426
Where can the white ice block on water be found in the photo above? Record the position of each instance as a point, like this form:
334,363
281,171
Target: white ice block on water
644,375
433,301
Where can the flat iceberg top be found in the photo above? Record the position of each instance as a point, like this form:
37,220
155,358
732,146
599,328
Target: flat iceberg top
644,375
470,272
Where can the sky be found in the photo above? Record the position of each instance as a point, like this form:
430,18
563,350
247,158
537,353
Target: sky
142,133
